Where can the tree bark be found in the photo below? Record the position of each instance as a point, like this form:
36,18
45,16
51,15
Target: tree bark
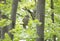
52,17
1,29
52,12
40,15
13,16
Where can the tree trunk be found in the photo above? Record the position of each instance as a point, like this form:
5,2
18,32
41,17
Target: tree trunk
13,16
52,17
1,29
40,15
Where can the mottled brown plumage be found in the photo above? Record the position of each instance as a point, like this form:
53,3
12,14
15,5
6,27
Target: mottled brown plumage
25,21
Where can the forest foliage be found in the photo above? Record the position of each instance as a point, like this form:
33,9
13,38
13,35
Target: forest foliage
30,34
